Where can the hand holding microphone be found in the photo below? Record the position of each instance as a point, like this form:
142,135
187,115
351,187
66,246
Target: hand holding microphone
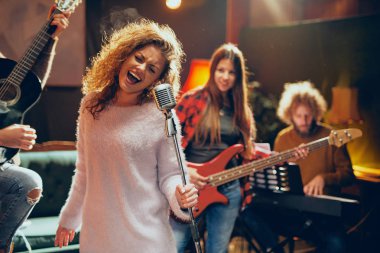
165,101
187,195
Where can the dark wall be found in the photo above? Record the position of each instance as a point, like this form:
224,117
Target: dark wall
329,53
199,24
54,116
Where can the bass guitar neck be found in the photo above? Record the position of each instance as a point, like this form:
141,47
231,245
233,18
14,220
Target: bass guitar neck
215,169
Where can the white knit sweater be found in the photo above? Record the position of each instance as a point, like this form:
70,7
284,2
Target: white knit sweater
125,180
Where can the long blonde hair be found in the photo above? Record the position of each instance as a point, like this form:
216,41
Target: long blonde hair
209,124
101,77
298,93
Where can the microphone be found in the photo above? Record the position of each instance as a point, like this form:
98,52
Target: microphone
164,98
165,101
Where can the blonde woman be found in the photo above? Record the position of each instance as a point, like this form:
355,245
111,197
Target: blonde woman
214,118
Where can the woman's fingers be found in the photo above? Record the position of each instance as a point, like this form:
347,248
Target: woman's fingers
72,235
63,237
198,180
187,195
61,21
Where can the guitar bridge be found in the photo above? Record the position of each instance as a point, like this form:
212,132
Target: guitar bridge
3,107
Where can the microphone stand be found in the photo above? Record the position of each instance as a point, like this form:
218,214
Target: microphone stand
171,131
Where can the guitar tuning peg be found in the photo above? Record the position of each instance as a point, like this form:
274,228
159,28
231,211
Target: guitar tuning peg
348,134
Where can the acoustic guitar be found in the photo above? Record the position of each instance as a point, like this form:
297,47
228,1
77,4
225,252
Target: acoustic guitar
20,88
215,169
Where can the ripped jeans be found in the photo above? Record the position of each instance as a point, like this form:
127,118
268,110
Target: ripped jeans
20,190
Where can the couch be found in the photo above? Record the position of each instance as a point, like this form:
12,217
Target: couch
54,161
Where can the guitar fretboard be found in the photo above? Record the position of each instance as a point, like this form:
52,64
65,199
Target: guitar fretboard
29,58
246,169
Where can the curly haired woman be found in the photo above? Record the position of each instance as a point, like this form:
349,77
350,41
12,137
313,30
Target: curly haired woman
127,176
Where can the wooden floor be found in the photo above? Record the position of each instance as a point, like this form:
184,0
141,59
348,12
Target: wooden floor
240,245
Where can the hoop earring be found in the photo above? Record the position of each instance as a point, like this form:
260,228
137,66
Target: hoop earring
145,96
146,92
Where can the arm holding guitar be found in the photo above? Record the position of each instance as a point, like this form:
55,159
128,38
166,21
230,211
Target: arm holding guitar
299,153
60,21
42,67
198,180
22,88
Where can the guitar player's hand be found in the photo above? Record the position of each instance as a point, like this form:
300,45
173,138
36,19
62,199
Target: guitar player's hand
61,21
315,186
18,136
198,180
300,153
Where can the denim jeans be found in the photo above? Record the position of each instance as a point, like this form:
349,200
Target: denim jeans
15,205
219,218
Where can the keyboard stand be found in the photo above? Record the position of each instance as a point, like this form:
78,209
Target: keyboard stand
248,236
289,239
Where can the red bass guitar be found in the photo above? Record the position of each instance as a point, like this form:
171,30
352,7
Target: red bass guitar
215,169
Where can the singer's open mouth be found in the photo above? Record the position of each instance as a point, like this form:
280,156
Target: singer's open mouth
132,78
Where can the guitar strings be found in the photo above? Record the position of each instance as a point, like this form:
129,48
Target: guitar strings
15,76
40,37
226,176
246,169
12,77
37,41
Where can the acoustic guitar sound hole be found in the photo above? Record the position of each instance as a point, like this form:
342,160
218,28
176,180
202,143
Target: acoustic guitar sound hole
9,93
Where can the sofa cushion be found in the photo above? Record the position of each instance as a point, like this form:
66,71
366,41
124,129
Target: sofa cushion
40,235
56,169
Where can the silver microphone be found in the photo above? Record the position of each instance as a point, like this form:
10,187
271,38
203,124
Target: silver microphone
165,101
163,96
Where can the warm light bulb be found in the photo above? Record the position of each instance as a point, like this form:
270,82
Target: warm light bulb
173,4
